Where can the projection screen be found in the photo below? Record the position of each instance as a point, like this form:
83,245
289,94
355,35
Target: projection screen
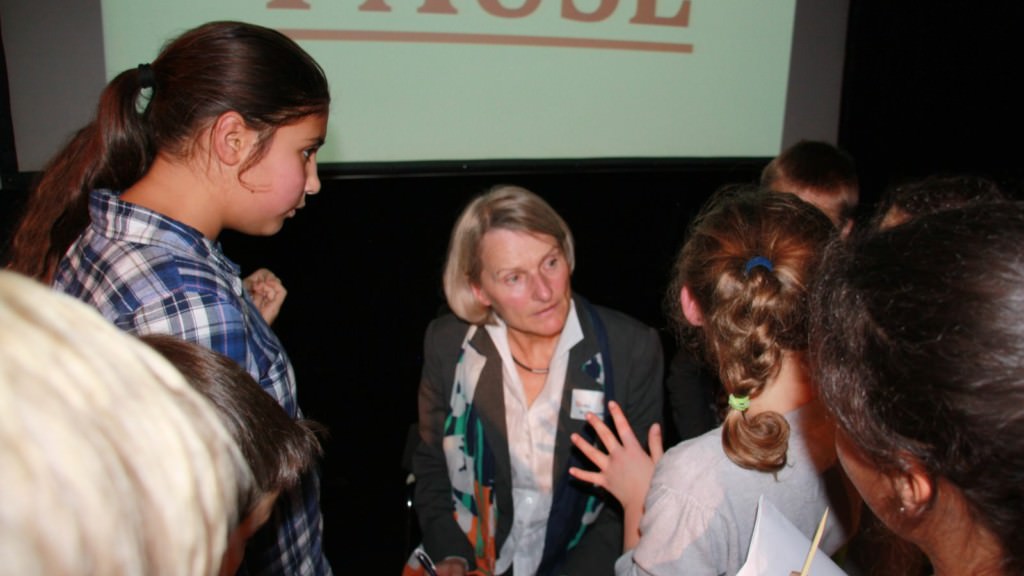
486,80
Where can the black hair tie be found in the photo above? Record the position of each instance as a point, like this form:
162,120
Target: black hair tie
146,77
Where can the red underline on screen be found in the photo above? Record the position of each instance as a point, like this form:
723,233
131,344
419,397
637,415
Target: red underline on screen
492,39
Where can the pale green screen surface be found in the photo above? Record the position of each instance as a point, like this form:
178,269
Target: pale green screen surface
517,79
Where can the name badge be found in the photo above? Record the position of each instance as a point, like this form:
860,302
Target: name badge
584,401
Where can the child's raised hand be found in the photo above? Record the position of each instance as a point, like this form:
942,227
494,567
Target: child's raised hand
267,293
626,470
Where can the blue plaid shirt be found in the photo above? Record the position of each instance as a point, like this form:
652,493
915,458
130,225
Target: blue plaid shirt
150,274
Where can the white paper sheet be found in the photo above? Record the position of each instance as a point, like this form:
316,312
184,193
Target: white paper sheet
778,547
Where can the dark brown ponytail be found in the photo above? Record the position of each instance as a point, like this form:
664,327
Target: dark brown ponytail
215,68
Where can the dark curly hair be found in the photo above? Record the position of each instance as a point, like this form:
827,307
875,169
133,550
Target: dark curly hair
933,194
918,349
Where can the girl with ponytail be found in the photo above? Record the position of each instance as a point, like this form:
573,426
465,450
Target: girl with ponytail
740,297
219,132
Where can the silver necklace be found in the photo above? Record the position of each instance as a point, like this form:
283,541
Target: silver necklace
540,371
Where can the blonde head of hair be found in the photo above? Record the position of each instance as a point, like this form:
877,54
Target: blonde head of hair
112,463
505,208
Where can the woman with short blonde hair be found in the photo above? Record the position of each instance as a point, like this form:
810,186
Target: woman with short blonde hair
507,380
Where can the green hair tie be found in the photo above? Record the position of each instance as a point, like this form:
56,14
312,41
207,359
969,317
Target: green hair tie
739,403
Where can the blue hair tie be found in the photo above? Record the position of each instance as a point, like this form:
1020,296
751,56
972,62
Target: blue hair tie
755,262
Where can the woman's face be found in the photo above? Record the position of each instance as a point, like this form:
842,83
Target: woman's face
524,278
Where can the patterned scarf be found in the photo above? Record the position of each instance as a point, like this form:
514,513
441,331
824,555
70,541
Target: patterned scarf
472,470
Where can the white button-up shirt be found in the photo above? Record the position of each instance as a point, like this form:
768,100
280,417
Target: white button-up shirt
532,430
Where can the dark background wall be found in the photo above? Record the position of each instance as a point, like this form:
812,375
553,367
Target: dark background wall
933,86
929,87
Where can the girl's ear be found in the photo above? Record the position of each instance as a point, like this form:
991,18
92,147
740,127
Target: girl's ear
231,138
914,487
690,308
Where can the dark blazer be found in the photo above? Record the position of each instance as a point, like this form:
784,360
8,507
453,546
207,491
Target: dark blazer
636,372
